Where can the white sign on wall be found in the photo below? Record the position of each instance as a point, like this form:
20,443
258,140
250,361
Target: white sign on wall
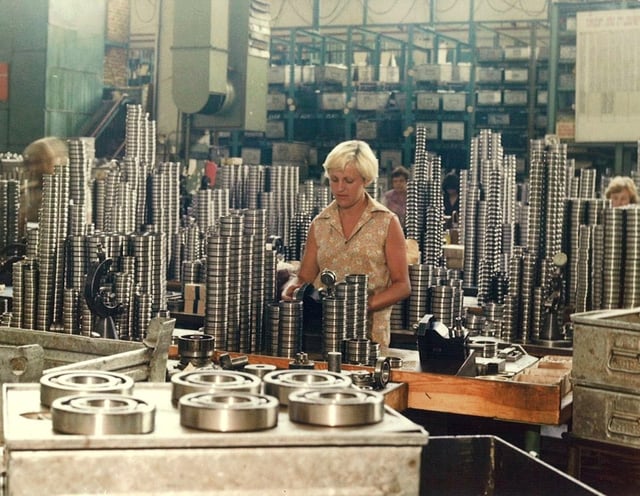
608,76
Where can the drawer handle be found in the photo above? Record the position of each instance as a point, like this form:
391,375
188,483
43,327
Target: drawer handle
625,424
627,361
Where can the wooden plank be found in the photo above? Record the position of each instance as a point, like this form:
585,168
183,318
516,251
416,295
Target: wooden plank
501,400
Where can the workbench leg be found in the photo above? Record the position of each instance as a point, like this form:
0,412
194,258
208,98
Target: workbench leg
532,440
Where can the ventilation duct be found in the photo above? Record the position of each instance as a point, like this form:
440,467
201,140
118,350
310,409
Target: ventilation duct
220,62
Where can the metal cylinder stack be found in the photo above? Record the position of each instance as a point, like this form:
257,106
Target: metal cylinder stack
424,202
9,208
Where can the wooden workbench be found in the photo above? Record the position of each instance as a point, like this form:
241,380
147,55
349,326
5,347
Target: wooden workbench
521,402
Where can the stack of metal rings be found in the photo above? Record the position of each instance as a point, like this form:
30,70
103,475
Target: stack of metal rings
631,292
216,316
333,331
289,328
613,258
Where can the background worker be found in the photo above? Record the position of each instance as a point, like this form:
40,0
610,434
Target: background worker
396,198
621,191
40,158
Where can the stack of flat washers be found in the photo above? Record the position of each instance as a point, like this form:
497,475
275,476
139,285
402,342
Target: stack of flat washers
582,298
218,273
631,284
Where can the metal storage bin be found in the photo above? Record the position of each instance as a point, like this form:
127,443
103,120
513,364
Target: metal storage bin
606,416
606,347
382,458
472,465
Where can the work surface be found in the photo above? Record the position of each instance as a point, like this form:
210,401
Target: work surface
523,402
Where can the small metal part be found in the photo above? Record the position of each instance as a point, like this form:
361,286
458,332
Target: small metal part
102,414
302,362
362,378
281,383
334,361
395,362
195,349
236,363
57,384
381,373
228,412
200,381
336,408
259,369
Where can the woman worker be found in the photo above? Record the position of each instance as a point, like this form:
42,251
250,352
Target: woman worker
40,158
621,191
356,234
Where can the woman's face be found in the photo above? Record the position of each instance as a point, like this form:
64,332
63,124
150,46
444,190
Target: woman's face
399,184
621,198
347,186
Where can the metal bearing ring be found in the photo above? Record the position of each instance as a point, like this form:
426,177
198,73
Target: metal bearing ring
199,381
259,369
381,373
57,384
283,382
228,412
396,362
102,414
336,408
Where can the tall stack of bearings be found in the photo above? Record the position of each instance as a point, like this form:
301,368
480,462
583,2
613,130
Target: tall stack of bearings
284,187
420,277
631,292
81,156
333,329
253,271
211,204
582,298
231,227
613,258
289,328
19,295
216,317
10,208
165,202
53,225
356,296
149,250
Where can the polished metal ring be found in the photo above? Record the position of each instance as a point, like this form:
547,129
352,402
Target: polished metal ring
199,381
283,382
57,384
259,369
228,412
102,414
336,408
381,373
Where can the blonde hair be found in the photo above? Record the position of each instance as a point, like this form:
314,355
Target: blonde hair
620,183
44,154
356,153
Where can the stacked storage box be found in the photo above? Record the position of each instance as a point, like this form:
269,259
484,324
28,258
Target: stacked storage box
606,376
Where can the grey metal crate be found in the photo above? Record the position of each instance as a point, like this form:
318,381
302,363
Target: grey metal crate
606,349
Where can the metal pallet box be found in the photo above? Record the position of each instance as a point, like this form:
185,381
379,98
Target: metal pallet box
606,347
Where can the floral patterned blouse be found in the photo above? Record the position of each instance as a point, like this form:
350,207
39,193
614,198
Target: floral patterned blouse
361,253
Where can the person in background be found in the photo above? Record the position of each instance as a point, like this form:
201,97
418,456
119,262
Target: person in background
40,157
451,192
356,234
396,198
621,191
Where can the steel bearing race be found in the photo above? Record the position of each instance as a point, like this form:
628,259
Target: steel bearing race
57,384
336,407
281,383
102,414
228,411
259,369
381,373
200,381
